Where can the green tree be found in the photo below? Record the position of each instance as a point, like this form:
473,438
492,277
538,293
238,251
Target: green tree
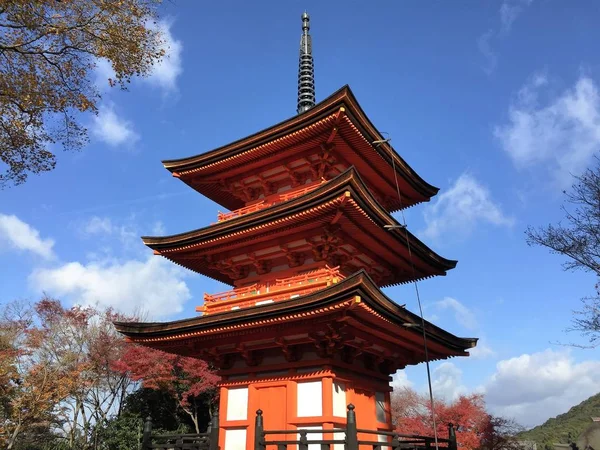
49,49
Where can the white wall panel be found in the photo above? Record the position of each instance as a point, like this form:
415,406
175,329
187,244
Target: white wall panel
339,399
235,439
313,437
237,404
380,406
310,399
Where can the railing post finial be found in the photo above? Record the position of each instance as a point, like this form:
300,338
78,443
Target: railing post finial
214,430
351,432
258,431
452,444
147,435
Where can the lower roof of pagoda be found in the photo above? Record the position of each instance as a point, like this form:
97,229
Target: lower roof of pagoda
321,142
370,318
338,223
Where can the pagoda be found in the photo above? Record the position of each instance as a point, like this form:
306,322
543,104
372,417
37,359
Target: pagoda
306,246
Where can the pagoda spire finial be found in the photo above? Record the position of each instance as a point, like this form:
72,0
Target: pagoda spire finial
306,70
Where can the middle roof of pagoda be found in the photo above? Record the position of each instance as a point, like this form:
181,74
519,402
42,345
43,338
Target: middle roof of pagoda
319,143
340,214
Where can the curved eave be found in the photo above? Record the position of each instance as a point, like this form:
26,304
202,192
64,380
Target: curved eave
341,98
149,333
347,181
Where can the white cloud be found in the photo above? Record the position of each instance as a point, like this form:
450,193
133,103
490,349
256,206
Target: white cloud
468,320
534,387
446,382
154,285
19,235
104,72
98,225
400,380
481,351
463,315
509,11
127,233
485,47
108,127
164,73
459,209
561,135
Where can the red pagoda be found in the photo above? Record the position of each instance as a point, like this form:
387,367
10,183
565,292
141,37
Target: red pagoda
306,247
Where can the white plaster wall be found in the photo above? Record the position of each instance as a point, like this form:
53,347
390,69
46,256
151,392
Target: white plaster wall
235,439
237,404
312,437
380,406
310,399
339,399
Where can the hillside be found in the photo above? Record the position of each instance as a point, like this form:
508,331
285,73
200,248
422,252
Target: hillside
564,426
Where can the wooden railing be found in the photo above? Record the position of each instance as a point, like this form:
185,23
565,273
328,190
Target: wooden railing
351,441
279,289
223,216
233,294
297,193
193,441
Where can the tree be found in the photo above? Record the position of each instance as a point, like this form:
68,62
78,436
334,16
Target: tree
579,240
61,377
48,51
189,380
501,434
411,414
35,386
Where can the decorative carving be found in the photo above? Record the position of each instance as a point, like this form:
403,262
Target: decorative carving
291,353
332,341
252,357
325,161
349,354
296,178
262,266
328,244
268,188
220,360
227,267
295,259
337,260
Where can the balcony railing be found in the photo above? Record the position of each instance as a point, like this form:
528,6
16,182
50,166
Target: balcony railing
222,217
271,291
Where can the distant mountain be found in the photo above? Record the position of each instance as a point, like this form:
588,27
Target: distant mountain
564,427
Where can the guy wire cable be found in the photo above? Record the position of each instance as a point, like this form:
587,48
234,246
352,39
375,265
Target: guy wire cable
404,226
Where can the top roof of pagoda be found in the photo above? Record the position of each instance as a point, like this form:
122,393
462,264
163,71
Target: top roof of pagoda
338,122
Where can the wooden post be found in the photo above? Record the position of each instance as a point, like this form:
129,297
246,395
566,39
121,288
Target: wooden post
452,445
351,433
214,431
147,435
258,431
303,445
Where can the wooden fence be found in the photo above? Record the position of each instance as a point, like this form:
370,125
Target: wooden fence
268,439
380,440
193,441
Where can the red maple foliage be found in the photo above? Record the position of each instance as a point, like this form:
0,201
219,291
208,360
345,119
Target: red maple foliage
55,370
186,379
412,415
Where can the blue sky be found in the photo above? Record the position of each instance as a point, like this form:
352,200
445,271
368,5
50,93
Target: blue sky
495,102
